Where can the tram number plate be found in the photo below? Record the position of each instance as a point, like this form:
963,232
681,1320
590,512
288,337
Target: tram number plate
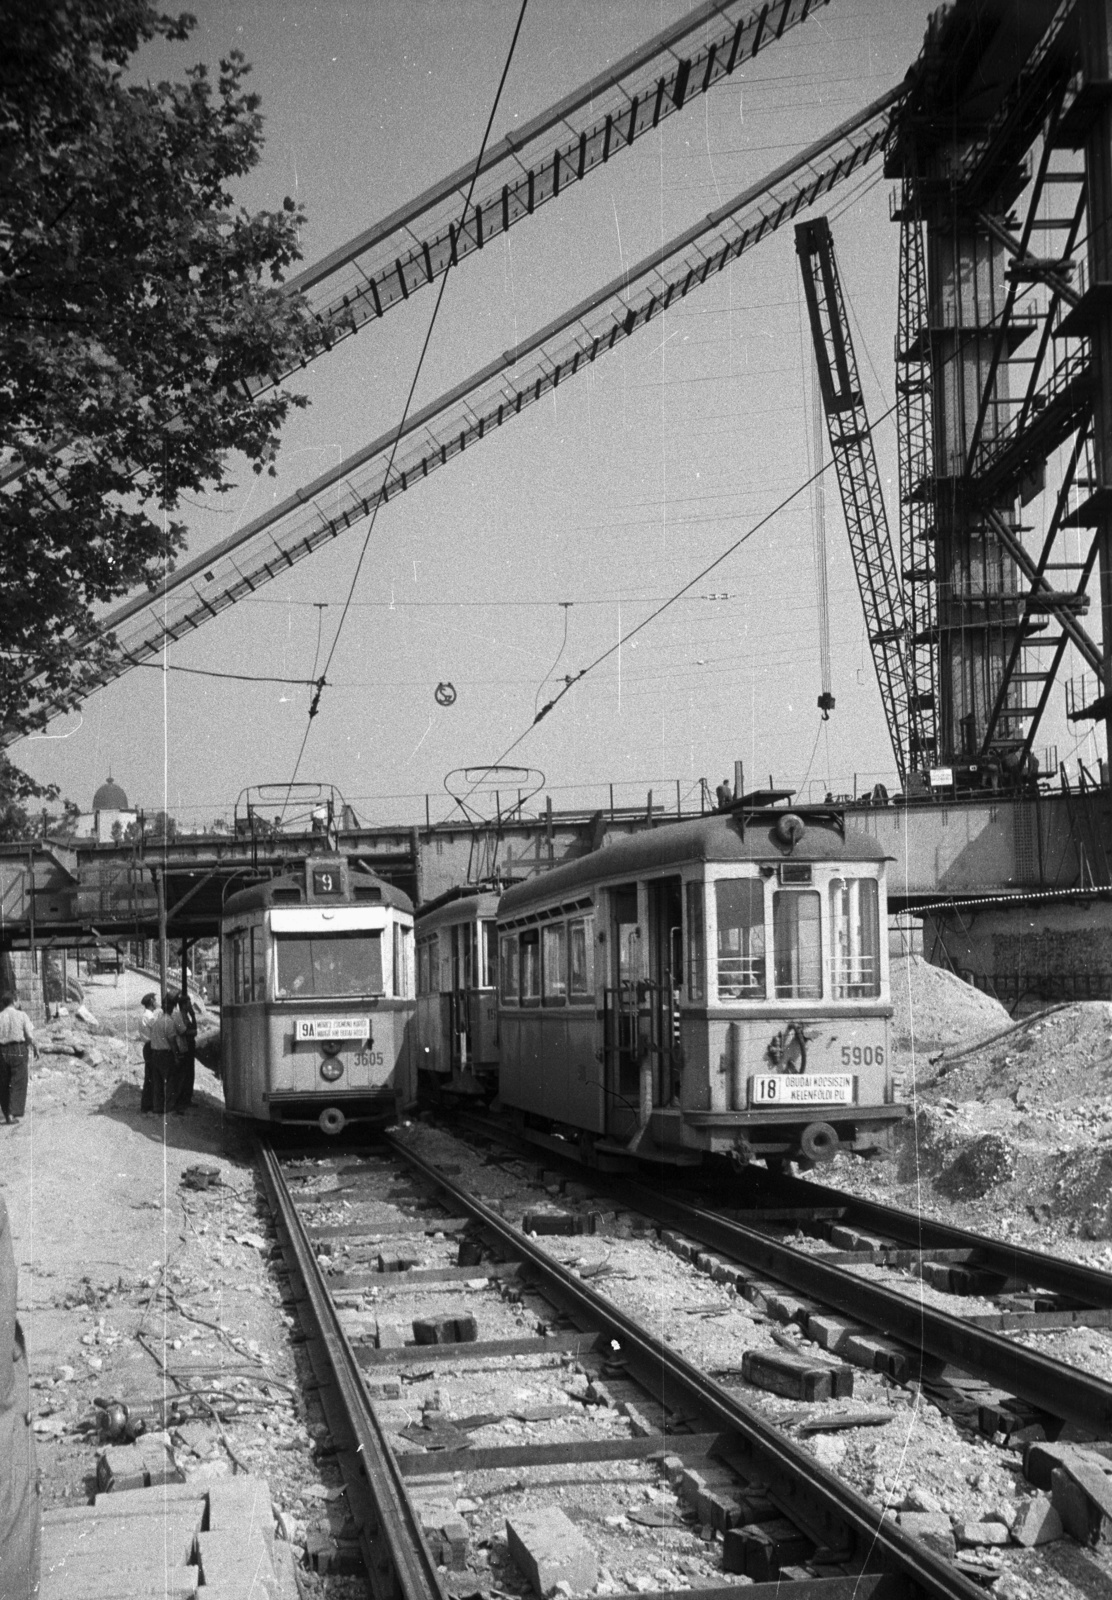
314,1029
784,1089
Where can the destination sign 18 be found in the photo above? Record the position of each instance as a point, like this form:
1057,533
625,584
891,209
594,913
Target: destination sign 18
783,1089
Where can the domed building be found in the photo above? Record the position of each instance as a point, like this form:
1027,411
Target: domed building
110,806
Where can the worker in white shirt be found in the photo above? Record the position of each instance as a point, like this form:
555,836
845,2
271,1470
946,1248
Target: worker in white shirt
17,1040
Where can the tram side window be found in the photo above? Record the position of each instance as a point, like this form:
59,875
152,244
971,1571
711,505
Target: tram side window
554,945
423,967
797,944
258,965
530,966
739,904
488,978
581,959
696,943
855,930
509,968
402,960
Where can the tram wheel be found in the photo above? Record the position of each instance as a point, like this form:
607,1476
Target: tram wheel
332,1120
819,1142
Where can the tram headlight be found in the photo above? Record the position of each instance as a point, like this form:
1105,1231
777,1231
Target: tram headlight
331,1068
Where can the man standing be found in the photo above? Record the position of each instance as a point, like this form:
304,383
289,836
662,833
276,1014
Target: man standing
167,1029
19,1486
146,1022
17,1039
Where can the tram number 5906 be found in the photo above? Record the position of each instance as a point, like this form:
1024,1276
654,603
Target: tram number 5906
862,1055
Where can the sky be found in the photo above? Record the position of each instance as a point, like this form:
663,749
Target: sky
525,558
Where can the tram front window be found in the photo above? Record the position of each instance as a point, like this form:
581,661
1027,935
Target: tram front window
332,965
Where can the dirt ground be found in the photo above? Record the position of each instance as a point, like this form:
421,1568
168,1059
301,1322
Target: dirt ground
125,1272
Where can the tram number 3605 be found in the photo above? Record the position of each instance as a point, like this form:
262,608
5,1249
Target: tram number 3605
369,1058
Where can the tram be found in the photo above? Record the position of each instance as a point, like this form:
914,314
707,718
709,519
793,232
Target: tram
712,987
456,1023
317,997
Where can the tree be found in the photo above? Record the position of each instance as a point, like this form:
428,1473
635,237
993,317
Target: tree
135,300
16,788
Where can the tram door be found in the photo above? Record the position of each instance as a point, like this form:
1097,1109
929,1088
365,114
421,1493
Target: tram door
665,975
623,1004
459,1007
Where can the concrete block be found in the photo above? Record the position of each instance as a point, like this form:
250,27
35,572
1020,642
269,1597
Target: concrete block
830,1332
237,1558
81,1580
240,1501
795,1376
686,1249
445,1330
389,1335
1040,1459
1077,1493
980,1533
131,1540
932,1527
846,1238
136,1502
549,1550
1036,1522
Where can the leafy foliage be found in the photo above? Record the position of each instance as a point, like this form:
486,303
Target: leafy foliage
135,299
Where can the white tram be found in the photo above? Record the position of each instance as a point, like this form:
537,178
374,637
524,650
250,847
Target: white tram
715,986
317,997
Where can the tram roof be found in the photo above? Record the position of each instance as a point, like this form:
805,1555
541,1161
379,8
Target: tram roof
462,904
725,836
277,892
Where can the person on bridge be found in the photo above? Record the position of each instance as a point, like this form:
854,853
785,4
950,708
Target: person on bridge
17,1040
166,1029
19,1479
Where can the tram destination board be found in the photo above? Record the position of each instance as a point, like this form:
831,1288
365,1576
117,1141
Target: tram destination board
315,1029
780,1089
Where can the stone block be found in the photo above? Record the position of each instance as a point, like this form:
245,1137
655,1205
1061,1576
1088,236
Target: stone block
445,1330
1036,1522
1078,1494
843,1237
932,1527
786,1308
1040,1459
130,1540
980,1533
549,1550
389,1335
830,1332
241,1501
764,1548
686,1249
92,1581
875,1354
239,1558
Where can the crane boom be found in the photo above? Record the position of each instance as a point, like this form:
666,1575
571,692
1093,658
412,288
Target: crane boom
211,582
851,444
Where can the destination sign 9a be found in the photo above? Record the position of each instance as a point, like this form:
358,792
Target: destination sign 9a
315,1029
786,1089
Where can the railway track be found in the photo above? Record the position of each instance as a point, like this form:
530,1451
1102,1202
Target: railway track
621,1416
770,1230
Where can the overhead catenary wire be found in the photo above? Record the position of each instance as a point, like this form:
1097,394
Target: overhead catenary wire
314,704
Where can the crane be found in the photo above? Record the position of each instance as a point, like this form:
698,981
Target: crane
851,444
263,549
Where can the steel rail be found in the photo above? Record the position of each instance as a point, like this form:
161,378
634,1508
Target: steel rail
817,1500
1070,1278
1064,1391
399,1565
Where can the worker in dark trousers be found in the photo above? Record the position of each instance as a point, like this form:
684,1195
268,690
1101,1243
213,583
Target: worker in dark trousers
17,1040
19,1479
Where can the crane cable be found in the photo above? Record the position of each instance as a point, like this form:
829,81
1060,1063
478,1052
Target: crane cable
321,683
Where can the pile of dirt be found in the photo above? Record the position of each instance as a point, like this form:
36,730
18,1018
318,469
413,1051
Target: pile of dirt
933,1008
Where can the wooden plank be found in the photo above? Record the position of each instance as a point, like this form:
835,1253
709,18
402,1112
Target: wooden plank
489,1458
418,1355
491,1270
1016,1321
379,1232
